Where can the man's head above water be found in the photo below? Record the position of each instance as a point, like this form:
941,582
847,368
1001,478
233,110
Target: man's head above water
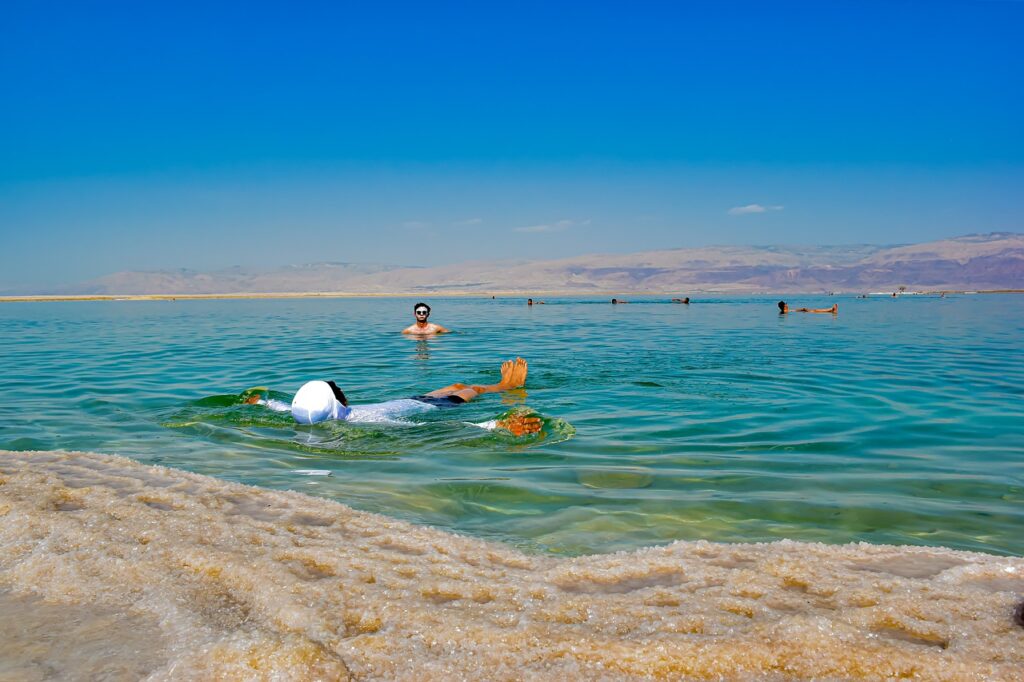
422,327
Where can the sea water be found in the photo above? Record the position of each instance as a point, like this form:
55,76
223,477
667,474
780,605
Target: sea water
899,420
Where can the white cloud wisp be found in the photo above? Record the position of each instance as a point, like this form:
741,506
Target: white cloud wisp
752,208
556,226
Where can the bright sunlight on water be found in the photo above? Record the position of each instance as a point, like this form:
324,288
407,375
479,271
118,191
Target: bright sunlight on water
897,421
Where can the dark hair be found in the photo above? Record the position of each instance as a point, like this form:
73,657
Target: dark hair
338,393
421,305
782,306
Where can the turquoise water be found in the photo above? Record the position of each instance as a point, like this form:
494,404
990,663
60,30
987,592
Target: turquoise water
899,421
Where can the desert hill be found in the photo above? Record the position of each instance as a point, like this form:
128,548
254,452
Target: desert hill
985,261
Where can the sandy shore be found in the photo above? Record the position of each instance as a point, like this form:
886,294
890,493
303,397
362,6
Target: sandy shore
109,567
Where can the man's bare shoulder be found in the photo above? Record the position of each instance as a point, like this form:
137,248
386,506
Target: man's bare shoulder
429,330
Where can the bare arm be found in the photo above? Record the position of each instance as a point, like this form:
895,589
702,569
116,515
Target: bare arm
516,424
520,424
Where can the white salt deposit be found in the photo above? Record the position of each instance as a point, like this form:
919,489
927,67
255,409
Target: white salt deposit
109,568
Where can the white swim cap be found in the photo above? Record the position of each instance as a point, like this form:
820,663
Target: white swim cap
315,402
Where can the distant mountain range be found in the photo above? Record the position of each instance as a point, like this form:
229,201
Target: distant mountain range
981,261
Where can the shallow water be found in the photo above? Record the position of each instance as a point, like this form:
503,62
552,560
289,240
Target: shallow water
898,421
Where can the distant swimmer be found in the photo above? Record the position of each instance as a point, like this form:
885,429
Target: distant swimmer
421,327
616,301
530,301
783,308
684,301
319,401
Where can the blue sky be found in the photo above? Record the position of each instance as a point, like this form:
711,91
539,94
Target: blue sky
206,135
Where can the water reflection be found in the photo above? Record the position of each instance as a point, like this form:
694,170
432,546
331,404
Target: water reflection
517,396
422,349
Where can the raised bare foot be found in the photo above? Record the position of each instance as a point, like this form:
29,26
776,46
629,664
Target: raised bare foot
513,373
506,373
523,369
520,424
518,373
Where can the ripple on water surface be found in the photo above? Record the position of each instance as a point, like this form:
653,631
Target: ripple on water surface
897,421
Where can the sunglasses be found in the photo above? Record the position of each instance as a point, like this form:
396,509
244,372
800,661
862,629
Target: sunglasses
422,312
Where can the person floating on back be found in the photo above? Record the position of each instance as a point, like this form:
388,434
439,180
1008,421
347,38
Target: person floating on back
783,309
421,327
530,301
320,401
684,301
616,301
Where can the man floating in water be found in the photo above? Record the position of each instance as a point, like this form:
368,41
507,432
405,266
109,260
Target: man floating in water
421,327
319,401
783,309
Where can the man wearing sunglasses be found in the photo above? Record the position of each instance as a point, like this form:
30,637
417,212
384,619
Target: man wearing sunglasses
421,327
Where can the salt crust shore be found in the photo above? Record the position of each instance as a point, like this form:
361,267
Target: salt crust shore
109,568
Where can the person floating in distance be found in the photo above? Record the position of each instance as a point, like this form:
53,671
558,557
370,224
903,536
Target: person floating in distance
421,327
616,301
320,401
530,301
684,301
783,309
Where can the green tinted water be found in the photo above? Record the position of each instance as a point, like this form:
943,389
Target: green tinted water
899,421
